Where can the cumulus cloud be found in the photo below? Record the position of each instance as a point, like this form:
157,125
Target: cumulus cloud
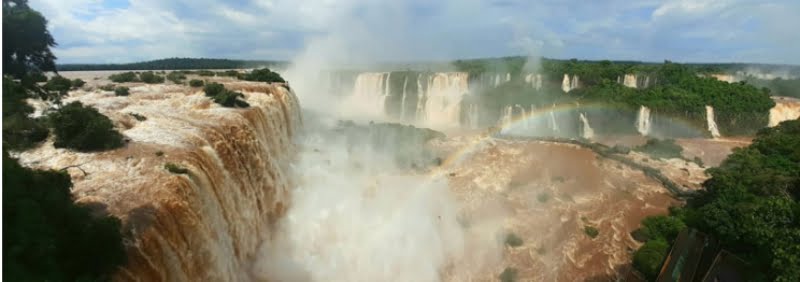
681,30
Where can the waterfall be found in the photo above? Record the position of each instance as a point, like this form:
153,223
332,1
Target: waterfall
507,117
496,80
472,116
553,123
588,132
643,121
535,80
205,225
419,113
784,110
568,84
508,77
646,82
523,115
630,81
444,94
712,124
369,94
565,83
403,100
538,81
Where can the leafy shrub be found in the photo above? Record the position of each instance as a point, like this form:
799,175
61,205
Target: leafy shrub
195,83
231,73
83,129
649,257
78,83
122,91
108,87
263,75
21,132
123,77
509,275
698,161
159,153
48,236
58,84
205,73
230,99
591,231
620,149
176,169
513,240
151,78
213,89
662,227
661,148
176,77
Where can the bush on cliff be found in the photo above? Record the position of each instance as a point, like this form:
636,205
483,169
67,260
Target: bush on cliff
151,78
661,148
195,83
47,237
263,75
649,257
83,129
224,97
123,77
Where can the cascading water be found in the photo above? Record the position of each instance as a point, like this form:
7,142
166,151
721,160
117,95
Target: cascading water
524,116
643,121
419,113
403,100
630,81
712,124
553,123
472,116
507,117
568,84
784,109
508,77
207,224
443,99
535,80
369,95
497,80
588,132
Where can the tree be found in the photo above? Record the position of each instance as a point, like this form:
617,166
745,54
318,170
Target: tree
128,76
122,91
58,84
47,237
78,83
150,78
26,41
649,257
213,88
263,75
83,129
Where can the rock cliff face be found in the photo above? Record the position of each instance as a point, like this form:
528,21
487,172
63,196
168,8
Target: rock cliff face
204,225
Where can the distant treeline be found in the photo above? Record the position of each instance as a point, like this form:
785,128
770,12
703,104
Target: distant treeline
175,64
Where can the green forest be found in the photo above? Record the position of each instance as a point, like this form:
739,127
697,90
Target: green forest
751,204
175,64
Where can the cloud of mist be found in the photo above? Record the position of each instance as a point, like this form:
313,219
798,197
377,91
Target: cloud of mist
356,216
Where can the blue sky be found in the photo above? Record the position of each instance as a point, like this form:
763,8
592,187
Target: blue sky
97,31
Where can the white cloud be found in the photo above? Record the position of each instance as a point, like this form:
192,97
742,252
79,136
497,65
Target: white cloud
682,30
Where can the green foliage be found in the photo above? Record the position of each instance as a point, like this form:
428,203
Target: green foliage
662,227
176,77
26,41
122,91
78,83
19,130
778,86
263,75
83,129
591,231
47,237
509,275
213,89
750,205
230,73
58,84
196,83
666,148
698,161
649,257
230,99
122,77
224,97
205,73
176,169
512,240
151,78
108,87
